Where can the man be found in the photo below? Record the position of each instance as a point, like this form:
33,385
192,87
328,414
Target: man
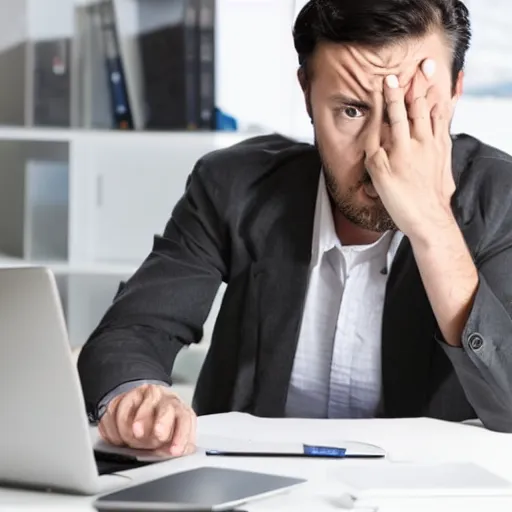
368,275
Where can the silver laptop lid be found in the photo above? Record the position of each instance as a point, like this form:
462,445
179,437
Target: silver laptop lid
45,441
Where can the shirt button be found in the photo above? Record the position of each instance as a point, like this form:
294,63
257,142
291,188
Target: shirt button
476,341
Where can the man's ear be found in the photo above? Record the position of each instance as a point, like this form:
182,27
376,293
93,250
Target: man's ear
458,89
302,75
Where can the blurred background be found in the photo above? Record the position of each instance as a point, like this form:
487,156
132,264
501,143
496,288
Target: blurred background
106,105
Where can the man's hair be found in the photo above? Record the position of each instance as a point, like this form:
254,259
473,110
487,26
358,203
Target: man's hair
378,23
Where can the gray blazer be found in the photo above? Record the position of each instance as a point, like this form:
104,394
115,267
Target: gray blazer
246,218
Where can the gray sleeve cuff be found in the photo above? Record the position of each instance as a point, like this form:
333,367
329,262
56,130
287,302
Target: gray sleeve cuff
483,363
123,388
480,390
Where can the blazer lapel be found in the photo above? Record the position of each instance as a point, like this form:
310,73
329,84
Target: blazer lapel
282,278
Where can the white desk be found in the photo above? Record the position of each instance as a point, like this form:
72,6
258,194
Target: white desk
405,440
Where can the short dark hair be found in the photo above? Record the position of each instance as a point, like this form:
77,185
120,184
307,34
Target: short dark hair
377,23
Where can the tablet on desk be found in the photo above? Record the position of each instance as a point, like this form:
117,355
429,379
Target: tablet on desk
203,488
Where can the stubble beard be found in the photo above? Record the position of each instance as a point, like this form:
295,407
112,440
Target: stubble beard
369,217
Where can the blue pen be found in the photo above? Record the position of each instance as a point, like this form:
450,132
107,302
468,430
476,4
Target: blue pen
324,452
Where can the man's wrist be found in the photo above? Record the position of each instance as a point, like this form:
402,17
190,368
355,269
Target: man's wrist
441,227
121,389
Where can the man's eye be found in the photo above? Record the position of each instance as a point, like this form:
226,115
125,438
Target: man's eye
352,112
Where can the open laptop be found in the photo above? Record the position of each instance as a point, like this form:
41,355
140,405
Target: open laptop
45,438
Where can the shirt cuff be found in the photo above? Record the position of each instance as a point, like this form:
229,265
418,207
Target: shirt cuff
123,388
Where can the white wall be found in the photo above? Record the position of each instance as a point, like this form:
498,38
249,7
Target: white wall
256,69
256,63
49,19
489,65
14,32
488,119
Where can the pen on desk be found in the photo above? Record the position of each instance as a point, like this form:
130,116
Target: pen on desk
308,450
222,453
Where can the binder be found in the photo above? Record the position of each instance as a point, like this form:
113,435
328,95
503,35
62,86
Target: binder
91,91
169,52
206,58
51,83
121,109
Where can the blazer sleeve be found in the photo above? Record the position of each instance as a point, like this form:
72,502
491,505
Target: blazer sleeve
484,363
164,305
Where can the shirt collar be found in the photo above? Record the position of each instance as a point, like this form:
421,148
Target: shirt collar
324,233
325,237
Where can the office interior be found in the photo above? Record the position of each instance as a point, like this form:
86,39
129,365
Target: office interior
98,137
95,153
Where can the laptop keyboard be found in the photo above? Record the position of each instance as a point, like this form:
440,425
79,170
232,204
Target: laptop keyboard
109,463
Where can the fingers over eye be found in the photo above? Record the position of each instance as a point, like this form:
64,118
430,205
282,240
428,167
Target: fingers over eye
394,98
418,107
441,119
373,141
428,68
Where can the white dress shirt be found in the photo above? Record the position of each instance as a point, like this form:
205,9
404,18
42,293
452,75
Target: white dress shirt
337,366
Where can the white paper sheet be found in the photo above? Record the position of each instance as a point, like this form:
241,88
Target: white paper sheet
422,480
404,440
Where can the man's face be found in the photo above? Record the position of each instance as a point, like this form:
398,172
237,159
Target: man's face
338,92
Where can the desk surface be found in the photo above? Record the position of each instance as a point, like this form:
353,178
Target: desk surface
405,440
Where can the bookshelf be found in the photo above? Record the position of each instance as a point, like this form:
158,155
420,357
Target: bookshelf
86,204
102,182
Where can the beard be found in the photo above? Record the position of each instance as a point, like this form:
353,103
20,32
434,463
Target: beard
369,217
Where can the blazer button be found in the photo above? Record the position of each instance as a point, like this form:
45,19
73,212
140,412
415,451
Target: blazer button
476,341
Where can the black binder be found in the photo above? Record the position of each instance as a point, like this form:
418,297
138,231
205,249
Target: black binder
120,103
169,52
52,83
206,74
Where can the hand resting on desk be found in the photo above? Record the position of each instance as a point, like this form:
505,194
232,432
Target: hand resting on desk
150,417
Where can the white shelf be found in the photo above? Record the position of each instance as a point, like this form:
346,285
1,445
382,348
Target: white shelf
116,192
21,133
63,267
121,189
